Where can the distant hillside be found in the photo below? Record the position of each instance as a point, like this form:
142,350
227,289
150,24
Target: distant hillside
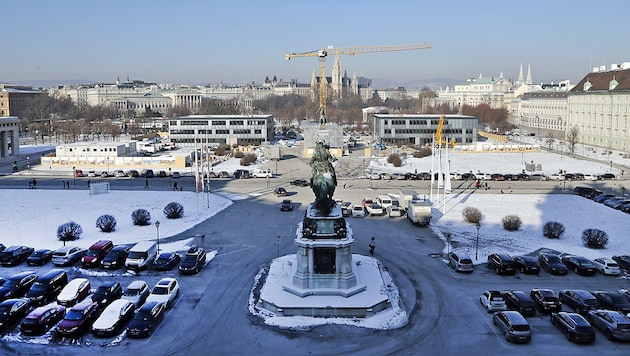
51,83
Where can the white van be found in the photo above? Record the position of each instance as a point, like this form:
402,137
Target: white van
263,173
384,200
141,255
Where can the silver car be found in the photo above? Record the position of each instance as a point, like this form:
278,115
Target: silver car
492,300
613,324
461,262
513,326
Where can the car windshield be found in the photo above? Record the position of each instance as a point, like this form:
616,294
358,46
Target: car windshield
592,302
466,261
189,259
549,299
6,254
159,290
553,259
584,329
74,315
520,327
102,291
30,321
92,253
142,315
38,287
113,254
37,254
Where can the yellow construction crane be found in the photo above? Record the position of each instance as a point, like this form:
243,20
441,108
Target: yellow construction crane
439,140
323,53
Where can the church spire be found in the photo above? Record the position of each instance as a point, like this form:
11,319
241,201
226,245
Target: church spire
529,74
520,75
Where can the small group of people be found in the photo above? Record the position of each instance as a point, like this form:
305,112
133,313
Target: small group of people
479,184
66,184
32,184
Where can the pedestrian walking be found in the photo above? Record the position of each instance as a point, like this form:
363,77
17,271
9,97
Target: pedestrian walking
30,184
344,185
89,183
64,184
146,184
372,246
68,185
15,169
34,183
175,186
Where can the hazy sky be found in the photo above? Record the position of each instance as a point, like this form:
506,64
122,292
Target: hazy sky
237,41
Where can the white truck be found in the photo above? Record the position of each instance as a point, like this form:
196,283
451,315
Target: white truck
263,173
419,212
407,195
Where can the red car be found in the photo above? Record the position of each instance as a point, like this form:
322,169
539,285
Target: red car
40,320
78,319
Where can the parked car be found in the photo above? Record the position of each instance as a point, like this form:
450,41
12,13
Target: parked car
17,285
113,319
74,292
39,257
119,173
146,319
91,174
137,293
42,319
538,176
519,301
286,205
497,176
623,261
12,311
107,293
557,176
47,286
546,300
96,253
147,173
502,263
78,319
606,176
162,174
14,255
165,291
375,209
78,173
469,176
607,266
574,326
580,300
133,173
602,197
300,182
105,174
193,261
166,261
222,174
613,324
527,264
115,258
280,192
552,264
67,255
461,262
612,301
493,301
395,211
580,265
513,325
358,211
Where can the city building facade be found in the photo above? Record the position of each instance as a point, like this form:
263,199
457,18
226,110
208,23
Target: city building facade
420,129
187,131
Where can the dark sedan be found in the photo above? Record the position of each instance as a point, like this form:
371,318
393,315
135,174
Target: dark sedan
527,264
574,326
300,182
286,205
580,300
612,301
552,264
623,261
519,301
78,319
546,300
39,257
17,285
281,192
115,258
14,255
42,319
146,320
107,293
580,265
12,311
166,261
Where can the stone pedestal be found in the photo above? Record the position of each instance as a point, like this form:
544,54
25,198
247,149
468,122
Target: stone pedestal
323,263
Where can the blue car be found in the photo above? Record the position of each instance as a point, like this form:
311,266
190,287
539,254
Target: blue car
166,261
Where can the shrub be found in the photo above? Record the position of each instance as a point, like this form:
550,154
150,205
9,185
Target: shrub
248,159
173,210
553,229
222,150
472,215
394,159
239,154
511,222
594,238
106,223
141,217
422,152
69,231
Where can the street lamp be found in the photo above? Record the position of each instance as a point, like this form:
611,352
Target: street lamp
170,178
157,228
278,242
107,165
74,176
478,226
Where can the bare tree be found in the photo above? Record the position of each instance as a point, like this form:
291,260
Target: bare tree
550,140
572,138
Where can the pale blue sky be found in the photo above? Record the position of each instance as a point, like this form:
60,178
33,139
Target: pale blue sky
236,41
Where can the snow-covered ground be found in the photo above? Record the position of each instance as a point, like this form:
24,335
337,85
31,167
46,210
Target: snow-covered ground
31,217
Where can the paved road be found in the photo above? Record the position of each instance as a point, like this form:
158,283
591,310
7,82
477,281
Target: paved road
445,317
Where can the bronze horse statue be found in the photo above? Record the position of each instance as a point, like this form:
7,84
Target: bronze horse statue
323,178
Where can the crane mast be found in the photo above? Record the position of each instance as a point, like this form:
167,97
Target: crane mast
323,53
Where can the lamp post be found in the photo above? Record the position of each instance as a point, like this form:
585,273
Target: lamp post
74,176
157,228
478,226
107,165
170,178
278,242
